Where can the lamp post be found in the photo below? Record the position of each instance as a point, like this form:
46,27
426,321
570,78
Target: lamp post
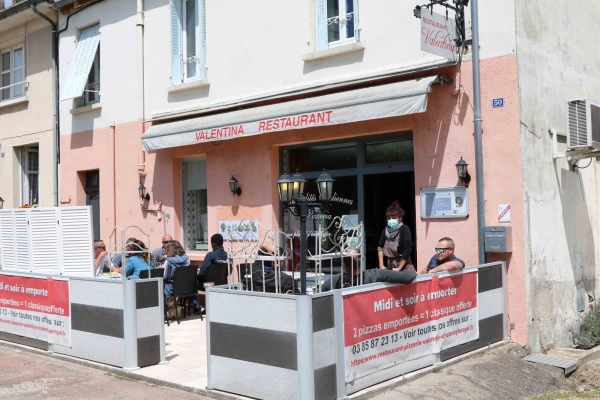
291,195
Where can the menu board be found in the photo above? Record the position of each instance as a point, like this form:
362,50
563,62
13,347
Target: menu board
445,202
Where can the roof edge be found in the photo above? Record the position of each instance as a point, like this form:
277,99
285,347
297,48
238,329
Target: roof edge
20,7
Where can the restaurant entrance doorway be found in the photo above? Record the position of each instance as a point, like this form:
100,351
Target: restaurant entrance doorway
370,173
381,190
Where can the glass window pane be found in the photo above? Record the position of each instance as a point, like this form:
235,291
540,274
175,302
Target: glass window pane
6,62
5,82
32,161
333,29
190,24
195,205
389,152
315,158
18,58
350,18
33,188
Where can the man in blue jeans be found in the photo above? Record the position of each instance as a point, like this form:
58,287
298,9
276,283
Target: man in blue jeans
218,254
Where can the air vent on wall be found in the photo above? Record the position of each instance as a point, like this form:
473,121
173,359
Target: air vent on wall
583,121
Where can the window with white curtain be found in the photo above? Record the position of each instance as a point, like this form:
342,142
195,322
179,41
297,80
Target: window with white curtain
12,72
195,204
188,40
30,175
337,23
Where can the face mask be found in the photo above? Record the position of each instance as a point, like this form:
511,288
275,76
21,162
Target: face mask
392,223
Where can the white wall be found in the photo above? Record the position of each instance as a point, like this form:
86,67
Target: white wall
254,50
556,63
118,65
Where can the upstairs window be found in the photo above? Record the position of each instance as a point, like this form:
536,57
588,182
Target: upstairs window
83,81
188,41
337,23
12,73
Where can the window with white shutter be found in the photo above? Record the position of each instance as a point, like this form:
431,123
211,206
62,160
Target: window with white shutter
188,40
30,175
337,23
78,78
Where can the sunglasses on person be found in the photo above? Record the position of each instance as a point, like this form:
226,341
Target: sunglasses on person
100,247
441,249
166,242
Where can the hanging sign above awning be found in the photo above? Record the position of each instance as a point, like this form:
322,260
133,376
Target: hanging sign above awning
438,34
392,100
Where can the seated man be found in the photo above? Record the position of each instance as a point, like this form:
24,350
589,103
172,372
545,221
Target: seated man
218,254
352,270
444,259
101,261
263,273
158,254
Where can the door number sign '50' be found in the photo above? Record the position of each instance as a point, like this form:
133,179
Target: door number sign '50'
499,102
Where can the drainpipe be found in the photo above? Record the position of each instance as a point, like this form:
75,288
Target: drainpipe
140,73
113,144
477,121
55,128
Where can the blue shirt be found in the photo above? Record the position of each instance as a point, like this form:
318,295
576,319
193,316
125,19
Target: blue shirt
217,255
434,262
135,265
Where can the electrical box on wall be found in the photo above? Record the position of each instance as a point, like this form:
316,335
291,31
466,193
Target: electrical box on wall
498,239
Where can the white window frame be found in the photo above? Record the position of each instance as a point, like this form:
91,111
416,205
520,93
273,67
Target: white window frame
25,172
182,204
179,72
341,21
11,72
184,46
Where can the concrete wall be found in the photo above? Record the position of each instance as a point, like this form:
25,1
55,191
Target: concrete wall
557,62
29,122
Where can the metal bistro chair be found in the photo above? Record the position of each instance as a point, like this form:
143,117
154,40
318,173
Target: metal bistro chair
184,286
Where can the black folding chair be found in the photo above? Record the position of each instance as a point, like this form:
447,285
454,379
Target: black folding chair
217,274
152,273
184,286
245,271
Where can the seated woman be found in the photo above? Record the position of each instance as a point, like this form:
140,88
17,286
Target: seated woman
175,258
136,262
350,275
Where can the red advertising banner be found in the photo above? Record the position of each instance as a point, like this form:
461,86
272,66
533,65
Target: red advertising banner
400,323
38,308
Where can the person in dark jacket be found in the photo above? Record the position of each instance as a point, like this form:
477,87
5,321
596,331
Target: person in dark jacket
352,273
395,242
263,273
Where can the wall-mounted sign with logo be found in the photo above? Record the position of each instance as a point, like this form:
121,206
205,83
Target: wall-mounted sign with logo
445,202
438,34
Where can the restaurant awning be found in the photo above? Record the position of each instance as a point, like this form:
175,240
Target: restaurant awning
391,100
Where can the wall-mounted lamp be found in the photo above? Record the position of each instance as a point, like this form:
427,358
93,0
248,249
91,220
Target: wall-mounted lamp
143,194
463,173
417,12
1,203
233,186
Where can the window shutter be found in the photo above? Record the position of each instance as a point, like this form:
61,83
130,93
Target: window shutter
81,63
44,241
22,241
176,44
201,35
322,39
8,240
75,235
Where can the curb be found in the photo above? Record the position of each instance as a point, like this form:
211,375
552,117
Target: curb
401,380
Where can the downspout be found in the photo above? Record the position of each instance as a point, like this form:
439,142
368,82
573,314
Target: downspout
140,73
113,139
478,145
55,127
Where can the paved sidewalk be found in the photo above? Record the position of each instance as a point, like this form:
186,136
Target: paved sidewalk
185,353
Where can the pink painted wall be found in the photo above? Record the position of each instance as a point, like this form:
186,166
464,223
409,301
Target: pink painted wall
441,136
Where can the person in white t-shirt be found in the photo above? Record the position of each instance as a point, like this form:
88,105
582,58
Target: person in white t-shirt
101,261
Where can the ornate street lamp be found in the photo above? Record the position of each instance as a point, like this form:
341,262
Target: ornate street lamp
291,195
462,171
233,186
143,194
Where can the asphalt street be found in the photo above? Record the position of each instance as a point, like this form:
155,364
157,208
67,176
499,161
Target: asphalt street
26,375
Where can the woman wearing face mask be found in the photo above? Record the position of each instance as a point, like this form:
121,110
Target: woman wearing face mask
396,241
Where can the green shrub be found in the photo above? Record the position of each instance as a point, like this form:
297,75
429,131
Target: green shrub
589,330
